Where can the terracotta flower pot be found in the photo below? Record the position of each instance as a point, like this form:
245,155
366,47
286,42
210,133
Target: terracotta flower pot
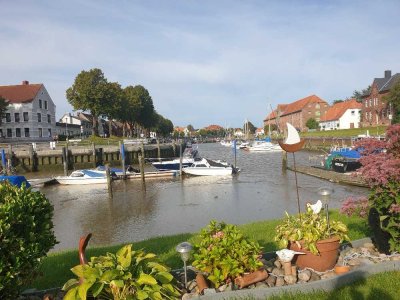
325,260
251,278
342,269
201,283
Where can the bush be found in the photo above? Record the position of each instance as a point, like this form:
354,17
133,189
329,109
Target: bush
26,235
224,253
128,274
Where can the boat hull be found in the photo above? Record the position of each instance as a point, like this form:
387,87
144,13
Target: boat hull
68,180
208,171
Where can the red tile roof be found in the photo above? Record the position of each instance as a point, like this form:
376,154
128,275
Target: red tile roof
213,128
300,104
338,109
22,93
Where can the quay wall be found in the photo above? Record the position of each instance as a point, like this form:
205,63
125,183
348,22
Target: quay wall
25,159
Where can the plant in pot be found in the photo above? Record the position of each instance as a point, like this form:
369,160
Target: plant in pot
224,254
311,233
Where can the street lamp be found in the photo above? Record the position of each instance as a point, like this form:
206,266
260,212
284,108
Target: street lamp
184,250
325,193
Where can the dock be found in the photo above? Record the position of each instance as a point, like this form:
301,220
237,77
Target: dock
332,176
148,175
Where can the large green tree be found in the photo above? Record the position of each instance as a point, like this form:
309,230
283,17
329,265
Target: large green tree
359,94
312,123
163,126
393,99
114,107
3,108
90,92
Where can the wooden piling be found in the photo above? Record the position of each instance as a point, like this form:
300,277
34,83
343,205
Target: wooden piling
94,155
65,163
122,158
141,166
32,158
158,149
9,161
284,161
109,179
180,160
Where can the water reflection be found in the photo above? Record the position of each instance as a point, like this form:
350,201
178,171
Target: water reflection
261,191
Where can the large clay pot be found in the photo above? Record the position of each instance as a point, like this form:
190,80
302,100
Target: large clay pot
325,260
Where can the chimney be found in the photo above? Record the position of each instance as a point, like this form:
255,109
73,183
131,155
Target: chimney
25,82
388,74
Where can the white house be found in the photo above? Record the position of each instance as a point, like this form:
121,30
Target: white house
259,132
343,115
238,133
30,115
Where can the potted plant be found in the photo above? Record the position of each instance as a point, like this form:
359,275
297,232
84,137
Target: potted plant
310,232
224,255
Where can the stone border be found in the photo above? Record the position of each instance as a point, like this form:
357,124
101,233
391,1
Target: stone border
326,285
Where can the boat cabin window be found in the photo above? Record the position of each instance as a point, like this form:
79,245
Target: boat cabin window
201,166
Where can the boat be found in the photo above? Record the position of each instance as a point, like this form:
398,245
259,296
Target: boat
263,146
188,158
132,173
83,177
208,167
343,159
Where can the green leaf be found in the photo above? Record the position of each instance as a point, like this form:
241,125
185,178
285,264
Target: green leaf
78,270
159,267
117,283
146,279
164,277
156,296
70,284
72,294
141,295
97,288
109,275
83,288
124,256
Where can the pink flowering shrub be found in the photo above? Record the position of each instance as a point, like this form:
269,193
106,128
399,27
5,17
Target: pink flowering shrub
355,206
381,169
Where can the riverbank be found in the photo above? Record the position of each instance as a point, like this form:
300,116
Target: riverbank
56,267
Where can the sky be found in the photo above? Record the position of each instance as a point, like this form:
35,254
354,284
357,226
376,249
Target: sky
203,62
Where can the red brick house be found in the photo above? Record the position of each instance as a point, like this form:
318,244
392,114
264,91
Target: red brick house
374,110
297,113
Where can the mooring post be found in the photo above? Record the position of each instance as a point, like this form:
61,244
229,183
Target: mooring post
180,160
64,156
32,157
109,179
9,161
174,148
122,157
94,154
141,167
158,149
142,146
284,161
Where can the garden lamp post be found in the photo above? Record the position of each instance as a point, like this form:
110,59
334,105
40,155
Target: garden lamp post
325,193
184,250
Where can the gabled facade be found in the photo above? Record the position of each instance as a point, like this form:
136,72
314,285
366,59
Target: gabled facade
343,115
297,113
87,123
30,115
375,110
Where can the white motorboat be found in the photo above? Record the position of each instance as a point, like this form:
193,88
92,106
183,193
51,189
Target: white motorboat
187,160
82,177
208,167
263,146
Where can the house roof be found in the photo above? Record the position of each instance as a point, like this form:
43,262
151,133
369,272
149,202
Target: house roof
21,93
336,111
213,128
300,104
386,83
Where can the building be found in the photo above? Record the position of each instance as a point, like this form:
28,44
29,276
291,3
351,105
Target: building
259,132
343,115
297,113
30,115
375,111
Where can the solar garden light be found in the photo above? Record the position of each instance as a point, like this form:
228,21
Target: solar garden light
325,193
184,250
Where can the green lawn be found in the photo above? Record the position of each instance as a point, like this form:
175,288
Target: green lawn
379,130
56,267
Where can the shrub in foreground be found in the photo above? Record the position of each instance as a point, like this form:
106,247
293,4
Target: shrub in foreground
26,235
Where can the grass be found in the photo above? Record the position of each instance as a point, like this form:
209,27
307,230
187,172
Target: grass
379,130
55,268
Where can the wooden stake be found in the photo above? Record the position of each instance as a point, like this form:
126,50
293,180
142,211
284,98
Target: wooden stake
64,156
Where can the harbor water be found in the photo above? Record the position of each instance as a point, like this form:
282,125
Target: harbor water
261,191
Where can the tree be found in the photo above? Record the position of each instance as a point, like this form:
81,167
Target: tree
114,107
3,108
358,94
312,123
163,127
337,101
250,127
393,99
89,93
190,128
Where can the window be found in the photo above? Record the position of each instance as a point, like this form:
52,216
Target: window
1,132
26,132
317,106
26,117
16,117
317,113
9,132
40,132
40,103
18,132
370,102
48,119
39,117
366,103
45,104
49,132
8,117
352,112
